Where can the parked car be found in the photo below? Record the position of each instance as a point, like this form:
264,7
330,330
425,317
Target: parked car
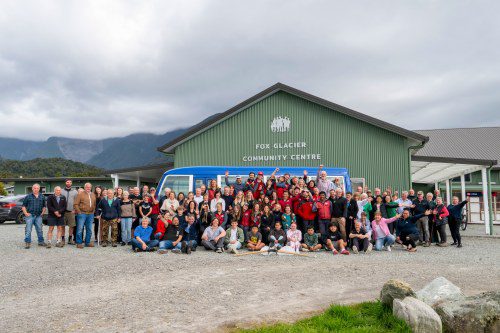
11,209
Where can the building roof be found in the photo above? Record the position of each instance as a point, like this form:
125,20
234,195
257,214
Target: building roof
51,179
219,117
479,143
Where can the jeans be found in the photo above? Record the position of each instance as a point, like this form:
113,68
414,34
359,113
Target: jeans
192,244
136,245
385,241
361,244
30,221
323,226
81,221
212,244
236,246
169,245
455,229
126,224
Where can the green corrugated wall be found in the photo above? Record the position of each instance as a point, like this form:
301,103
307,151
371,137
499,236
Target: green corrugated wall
370,152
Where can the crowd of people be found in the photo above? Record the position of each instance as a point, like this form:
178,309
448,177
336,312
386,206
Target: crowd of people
299,213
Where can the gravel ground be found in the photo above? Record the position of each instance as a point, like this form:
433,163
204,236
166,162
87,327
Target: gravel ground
116,290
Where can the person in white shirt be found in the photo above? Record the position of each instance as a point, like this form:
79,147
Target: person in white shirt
198,197
403,202
217,199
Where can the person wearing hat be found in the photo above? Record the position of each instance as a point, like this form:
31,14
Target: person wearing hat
238,185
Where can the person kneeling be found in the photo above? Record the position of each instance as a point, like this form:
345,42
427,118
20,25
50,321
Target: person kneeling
234,237
360,239
142,237
277,237
213,237
333,240
255,239
171,237
311,241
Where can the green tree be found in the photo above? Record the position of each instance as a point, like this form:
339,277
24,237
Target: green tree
2,189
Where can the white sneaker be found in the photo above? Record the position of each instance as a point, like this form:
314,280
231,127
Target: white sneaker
355,249
369,249
388,248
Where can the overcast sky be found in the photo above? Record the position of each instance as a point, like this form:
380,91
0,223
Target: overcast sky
95,69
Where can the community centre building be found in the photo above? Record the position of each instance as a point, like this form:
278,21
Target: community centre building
283,126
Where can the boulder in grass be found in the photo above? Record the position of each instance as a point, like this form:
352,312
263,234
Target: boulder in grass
418,315
478,313
395,289
439,291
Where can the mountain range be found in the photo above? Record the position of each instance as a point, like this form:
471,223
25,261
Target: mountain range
112,153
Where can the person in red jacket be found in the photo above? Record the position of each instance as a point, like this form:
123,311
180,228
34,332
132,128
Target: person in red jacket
161,225
305,211
295,199
285,201
246,216
324,209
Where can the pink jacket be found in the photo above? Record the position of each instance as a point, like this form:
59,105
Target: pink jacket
383,225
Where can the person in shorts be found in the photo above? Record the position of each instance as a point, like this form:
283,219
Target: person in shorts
255,239
56,206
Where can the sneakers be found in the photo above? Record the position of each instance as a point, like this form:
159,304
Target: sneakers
427,244
369,249
335,252
305,249
42,244
388,248
454,243
162,251
136,250
355,249
218,250
79,246
123,243
176,250
443,244
71,242
59,244
27,245
91,244
104,244
49,245
459,245
344,251
113,244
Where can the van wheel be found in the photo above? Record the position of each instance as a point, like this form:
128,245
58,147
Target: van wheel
20,218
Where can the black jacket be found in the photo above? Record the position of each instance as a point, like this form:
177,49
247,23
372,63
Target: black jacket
339,207
352,210
53,206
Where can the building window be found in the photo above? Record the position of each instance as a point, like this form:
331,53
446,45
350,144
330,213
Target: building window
355,182
457,179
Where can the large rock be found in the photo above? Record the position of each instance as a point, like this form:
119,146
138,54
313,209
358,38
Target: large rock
395,289
478,313
438,291
418,315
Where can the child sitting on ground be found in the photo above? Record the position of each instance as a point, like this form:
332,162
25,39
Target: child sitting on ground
255,239
277,237
311,241
234,237
294,237
360,239
333,240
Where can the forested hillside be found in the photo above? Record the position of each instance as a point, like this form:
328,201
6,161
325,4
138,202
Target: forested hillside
47,167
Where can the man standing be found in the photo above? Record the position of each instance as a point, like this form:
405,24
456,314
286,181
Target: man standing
84,205
56,205
33,209
403,202
339,212
69,194
238,185
323,183
420,206
110,215
324,208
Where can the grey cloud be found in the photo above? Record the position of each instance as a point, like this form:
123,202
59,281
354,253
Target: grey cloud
112,69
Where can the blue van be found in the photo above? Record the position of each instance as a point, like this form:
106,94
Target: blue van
188,178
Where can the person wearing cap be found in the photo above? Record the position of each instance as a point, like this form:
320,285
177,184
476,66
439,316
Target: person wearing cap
420,205
238,185
258,186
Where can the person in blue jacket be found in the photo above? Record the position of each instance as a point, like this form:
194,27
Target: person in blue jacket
454,219
406,229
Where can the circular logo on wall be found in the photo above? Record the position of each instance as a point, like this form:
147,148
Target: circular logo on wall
280,124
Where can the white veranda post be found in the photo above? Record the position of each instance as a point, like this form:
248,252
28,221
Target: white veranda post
448,192
486,201
462,186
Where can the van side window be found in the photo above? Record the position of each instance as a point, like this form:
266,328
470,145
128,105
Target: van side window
176,183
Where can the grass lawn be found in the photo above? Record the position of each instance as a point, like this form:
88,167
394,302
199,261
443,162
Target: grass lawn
364,317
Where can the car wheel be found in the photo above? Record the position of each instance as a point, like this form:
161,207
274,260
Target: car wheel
20,218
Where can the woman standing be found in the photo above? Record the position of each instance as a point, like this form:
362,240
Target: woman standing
98,192
455,211
127,215
170,204
145,209
440,214
216,201
212,188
